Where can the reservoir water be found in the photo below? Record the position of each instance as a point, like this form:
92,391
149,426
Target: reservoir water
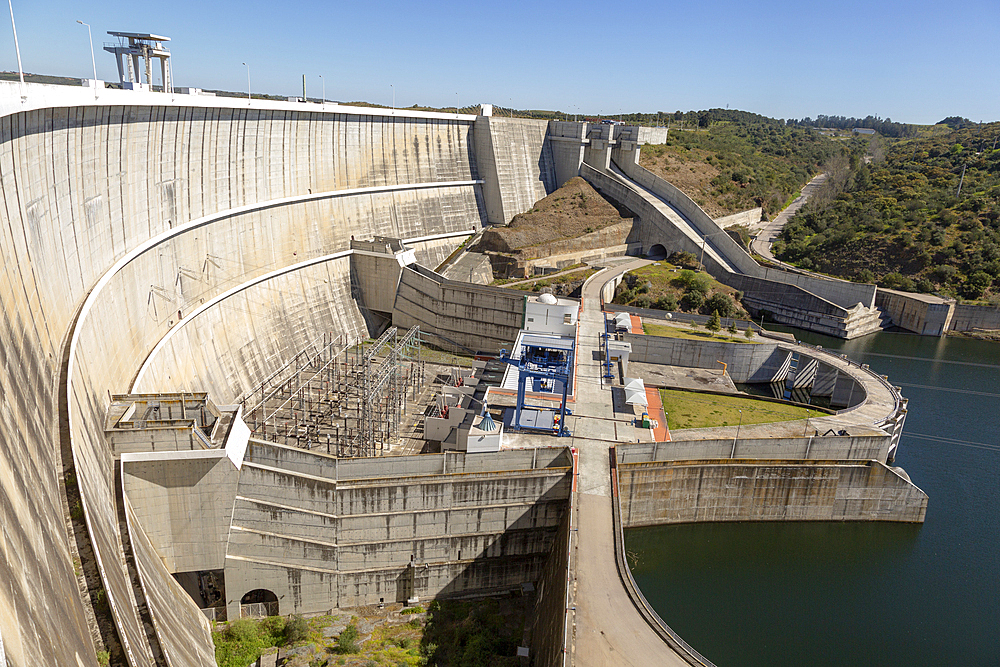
834,594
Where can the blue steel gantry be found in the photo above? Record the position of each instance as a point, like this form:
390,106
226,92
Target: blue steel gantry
548,362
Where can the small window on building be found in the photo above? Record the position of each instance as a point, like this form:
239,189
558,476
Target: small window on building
568,318
531,319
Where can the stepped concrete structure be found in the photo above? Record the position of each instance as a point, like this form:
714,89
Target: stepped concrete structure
183,245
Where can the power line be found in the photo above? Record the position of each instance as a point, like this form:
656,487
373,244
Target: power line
927,359
953,441
949,389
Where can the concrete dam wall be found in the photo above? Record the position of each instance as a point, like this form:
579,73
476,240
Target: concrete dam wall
664,492
329,533
209,231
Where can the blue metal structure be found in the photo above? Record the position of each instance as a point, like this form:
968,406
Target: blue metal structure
540,362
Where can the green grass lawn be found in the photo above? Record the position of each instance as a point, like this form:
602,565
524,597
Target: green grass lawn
687,409
669,331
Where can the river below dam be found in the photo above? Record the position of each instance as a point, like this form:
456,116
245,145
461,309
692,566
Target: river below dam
818,594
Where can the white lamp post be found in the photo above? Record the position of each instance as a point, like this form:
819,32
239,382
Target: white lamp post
393,96
248,83
324,89
20,70
92,61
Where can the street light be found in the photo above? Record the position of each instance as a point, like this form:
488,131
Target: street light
92,61
20,70
457,102
324,89
393,96
248,83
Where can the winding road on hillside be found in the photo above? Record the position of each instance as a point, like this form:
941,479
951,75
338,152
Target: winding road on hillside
769,232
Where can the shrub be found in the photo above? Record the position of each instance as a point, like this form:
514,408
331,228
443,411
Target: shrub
722,304
668,302
347,641
296,630
692,300
685,260
694,282
896,281
976,285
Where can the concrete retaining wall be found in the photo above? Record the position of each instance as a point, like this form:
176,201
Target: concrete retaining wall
920,313
746,362
548,619
746,218
652,135
855,448
666,492
750,362
967,318
184,504
458,316
786,303
360,531
183,633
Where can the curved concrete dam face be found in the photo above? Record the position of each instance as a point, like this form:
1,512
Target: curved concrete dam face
218,226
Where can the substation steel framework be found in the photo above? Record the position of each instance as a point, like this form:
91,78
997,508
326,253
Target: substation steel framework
343,397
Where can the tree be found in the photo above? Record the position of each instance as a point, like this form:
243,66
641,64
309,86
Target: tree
692,300
732,328
714,322
749,333
721,303
977,284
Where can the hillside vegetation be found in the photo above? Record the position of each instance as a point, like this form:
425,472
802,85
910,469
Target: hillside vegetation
919,214
664,286
735,166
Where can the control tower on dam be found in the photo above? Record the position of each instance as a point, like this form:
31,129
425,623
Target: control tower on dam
210,239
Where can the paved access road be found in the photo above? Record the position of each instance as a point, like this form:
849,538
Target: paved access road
769,232
608,628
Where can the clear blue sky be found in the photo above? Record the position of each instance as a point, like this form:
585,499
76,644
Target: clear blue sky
915,62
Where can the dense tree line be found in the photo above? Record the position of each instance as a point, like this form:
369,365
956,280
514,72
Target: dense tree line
926,218
886,127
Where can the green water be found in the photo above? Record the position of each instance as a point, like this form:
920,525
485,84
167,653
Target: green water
850,593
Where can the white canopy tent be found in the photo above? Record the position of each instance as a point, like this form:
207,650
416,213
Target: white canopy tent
635,392
623,321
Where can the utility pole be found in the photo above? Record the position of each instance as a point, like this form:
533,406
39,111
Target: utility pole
961,180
